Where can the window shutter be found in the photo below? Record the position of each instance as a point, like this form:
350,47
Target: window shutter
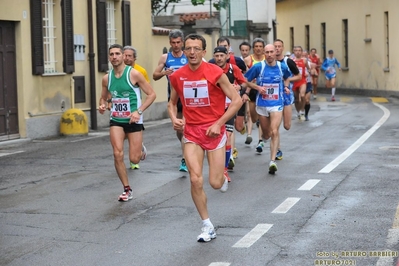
102,49
67,37
36,27
127,39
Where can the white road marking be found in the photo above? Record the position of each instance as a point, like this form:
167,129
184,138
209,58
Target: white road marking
337,161
92,136
385,261
393,237
286,205
252,236
309,184
392,241
9,153
220,264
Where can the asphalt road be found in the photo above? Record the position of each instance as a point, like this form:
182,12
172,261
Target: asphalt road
334,198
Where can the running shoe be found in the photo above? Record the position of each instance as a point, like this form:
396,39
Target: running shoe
126,196
272,167
248,140
244,130
225,184
279,155
231,163
226,174
183,166
302,117
260,146
207,234
235,153
314,96
333,98
143,152
134,166
306,118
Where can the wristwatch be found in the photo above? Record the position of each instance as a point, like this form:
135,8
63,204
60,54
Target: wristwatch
140,111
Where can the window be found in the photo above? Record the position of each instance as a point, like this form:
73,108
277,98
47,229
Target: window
46,40
126,22
48,36
368,25
292,38
345,41
307,38
323,40
386,37
111,29
107,11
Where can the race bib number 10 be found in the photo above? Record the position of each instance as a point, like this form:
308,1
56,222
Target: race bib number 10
196,93
272,92
120,107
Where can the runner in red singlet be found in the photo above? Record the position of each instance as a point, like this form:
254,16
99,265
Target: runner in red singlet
201,87
299,87
315,59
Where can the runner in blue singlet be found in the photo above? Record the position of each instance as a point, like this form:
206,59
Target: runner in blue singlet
271,82
167,64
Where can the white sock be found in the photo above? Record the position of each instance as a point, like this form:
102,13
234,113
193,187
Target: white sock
333,91
207,222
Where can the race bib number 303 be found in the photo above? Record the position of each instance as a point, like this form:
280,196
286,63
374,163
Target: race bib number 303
120,107
272,92
196,93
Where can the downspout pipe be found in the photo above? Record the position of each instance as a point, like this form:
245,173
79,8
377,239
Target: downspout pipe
92,80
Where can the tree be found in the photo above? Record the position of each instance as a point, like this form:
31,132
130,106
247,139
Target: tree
157,6
216,4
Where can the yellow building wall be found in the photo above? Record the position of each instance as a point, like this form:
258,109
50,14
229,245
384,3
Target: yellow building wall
367,60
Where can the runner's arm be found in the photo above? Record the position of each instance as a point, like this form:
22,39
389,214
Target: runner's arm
232,94
145,87
159,70
103,103
178,124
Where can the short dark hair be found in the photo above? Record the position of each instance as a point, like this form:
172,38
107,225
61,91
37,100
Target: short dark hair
278,40
313,49
194,36
112,46
222,39
298,46
245,43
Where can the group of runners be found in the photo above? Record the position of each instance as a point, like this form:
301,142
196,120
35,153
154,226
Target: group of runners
206,102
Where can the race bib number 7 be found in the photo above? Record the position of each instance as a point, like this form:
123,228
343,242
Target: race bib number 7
196,93
120,107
